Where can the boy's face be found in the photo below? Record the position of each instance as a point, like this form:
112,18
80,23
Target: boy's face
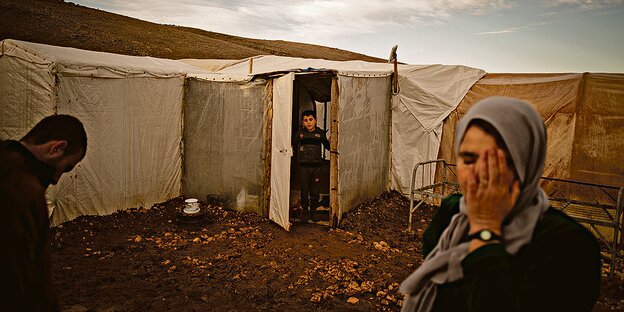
309,122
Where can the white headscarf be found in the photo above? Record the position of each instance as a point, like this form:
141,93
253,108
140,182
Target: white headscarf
524,134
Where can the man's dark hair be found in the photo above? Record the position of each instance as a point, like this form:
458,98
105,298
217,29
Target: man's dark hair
59,127
308,113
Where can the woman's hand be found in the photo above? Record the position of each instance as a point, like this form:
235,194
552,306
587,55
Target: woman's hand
491,192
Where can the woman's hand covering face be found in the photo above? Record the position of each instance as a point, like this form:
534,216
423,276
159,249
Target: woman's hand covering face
490,191
489,185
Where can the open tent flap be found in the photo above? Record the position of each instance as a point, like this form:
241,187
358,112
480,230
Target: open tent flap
428,94
223,142
134,128
411,144
431,92
281,150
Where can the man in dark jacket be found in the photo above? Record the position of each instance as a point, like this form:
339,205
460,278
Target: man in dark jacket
54,146
308,141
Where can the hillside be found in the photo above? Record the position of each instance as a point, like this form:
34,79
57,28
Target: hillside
59,23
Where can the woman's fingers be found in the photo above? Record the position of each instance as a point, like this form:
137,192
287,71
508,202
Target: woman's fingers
502,166
482,169
471,185
493,169
506,173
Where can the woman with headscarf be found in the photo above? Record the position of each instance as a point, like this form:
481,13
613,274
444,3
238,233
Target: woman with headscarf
499,247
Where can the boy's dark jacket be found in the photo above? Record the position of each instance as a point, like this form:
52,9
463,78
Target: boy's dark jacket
308,145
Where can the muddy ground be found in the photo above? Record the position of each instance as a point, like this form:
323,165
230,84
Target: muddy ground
140,260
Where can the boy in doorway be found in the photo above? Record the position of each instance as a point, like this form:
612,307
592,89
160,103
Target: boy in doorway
308,141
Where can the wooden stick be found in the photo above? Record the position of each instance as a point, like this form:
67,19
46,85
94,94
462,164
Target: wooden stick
334,194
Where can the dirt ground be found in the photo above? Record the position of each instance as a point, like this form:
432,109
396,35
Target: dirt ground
140,260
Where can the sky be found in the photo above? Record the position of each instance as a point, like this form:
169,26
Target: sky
494,35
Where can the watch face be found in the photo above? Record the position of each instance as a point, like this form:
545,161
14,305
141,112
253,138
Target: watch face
485,235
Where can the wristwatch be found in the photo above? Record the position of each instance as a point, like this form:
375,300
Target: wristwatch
485,236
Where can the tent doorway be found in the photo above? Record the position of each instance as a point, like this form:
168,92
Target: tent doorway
293,94
311,92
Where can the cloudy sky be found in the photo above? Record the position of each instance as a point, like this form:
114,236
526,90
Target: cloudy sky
495,35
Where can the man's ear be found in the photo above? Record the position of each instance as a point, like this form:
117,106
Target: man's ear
57,149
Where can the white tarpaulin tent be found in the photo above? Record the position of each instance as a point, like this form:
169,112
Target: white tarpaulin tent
161,128
243,153
369,160
131,109
428,93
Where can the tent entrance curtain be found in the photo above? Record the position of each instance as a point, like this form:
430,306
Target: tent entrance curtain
281,134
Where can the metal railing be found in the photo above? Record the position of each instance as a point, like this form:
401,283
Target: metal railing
428,187
605,212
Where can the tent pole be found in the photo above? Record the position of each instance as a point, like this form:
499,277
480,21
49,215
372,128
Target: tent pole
334,202
268,141
396,77
324,122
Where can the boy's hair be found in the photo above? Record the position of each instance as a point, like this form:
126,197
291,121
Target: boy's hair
59,127
308,113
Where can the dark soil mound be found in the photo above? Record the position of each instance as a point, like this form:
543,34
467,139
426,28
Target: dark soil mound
66,24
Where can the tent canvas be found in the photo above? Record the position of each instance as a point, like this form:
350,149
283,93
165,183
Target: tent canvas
281,150
361,150
583,116
428,93
141,149
130,106
584,120
366,115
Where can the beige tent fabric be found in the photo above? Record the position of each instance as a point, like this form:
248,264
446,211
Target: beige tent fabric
26,96
428,93
212,65
123,98
363,140
272,63
131,108
223,142
584,117
599,132
76,62
281,150
133,157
